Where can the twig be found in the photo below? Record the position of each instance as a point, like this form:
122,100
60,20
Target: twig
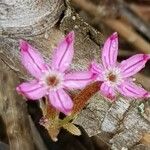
142,10
133,18
123,29
129,34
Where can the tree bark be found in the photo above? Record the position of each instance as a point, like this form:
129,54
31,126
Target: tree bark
13,111
28,17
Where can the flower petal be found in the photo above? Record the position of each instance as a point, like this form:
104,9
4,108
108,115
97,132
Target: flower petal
61,101
64,53
31,59
110,51
130,89
148,96
32,90
133,64
78,80
107,91
97,69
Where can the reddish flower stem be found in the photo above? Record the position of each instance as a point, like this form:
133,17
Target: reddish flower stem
81,99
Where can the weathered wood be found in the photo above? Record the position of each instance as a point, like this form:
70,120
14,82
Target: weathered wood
13,111
39,143
28,17
130,127
133,18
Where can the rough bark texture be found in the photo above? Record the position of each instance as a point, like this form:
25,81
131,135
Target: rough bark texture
13,111
122,118
28,17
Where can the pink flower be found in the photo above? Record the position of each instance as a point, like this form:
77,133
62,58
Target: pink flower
116,76
52,80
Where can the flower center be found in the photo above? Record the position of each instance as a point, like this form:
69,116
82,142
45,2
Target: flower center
112,77
52,81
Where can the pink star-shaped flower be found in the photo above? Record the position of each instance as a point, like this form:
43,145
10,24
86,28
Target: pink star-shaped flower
52,80
116,76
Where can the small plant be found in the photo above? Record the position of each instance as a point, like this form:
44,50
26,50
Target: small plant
52,81
117,77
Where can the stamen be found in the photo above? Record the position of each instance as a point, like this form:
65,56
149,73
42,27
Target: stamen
112,77
52,81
